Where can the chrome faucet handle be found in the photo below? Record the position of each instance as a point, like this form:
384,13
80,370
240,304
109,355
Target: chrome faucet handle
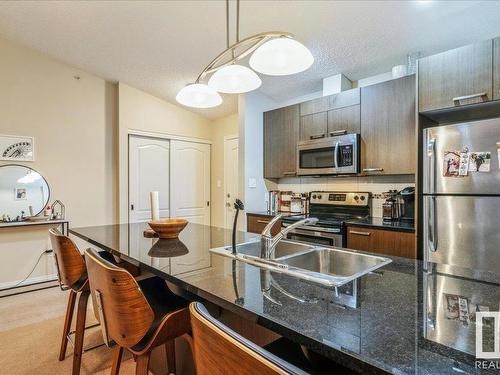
267,230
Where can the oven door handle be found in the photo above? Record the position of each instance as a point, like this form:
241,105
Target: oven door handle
314,231
308,229
336,153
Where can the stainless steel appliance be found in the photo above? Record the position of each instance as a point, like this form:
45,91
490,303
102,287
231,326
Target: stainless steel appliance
332,209
332,155
461,206
450,307
407,195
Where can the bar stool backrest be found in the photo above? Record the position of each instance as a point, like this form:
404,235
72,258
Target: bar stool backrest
125,314
220,350
70,263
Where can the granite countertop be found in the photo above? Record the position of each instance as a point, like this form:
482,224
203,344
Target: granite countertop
377,222
391,321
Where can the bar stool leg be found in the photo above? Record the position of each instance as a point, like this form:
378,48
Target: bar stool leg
80,330
67,324
142,364
117,360
170,349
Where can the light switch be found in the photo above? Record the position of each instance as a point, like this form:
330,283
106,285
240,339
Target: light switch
252,183
219,183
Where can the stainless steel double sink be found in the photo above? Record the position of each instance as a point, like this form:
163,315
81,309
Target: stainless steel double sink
331,267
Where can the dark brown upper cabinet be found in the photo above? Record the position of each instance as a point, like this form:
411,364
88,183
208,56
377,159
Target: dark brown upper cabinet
344,120
496,69
388,127
326,103
313,126
281,134
457,77
330,115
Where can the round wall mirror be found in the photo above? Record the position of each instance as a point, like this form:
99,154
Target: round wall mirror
21,188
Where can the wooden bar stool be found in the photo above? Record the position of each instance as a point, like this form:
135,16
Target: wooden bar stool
72,275
138,316
220,350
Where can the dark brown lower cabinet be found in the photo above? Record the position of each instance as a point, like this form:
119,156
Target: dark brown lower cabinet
257,223
387,242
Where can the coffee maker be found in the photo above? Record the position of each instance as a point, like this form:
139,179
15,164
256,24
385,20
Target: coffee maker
391,208
408,197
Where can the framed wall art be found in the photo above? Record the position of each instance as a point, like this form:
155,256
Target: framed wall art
17,148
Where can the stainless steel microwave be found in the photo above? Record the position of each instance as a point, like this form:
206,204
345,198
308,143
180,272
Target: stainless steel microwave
329,156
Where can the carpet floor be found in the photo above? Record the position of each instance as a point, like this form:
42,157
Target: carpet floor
34,349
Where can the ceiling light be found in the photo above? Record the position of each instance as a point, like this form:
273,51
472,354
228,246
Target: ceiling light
199,95
282,56
234,79
274,53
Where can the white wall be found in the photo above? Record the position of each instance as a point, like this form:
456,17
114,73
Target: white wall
74,125
251,109
221,128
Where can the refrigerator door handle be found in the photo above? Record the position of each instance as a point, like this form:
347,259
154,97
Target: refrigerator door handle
431,157
432,225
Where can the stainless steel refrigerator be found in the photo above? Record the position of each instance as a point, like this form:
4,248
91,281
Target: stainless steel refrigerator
461,211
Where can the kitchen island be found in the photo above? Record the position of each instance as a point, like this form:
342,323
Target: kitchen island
389,321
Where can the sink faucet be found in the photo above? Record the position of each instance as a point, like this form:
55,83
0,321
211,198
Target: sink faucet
268,242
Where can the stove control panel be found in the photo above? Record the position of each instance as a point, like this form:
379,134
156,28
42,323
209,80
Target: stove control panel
340,198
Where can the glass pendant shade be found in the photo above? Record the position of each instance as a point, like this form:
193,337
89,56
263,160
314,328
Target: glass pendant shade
234,79
281,56
198,95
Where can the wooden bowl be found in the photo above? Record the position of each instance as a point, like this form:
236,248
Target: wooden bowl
168,228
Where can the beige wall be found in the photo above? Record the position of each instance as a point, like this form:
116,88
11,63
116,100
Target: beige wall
81,131
74,125
139,111
221,128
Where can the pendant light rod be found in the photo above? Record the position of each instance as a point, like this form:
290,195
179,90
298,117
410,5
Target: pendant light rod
227,23
237,21
255,41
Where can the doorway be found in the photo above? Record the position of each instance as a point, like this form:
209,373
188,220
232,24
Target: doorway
149,170
178,170
230,179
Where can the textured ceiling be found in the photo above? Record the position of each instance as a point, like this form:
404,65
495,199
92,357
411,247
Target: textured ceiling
160,46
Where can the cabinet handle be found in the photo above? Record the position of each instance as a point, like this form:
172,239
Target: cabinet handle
317,136
360,233
373,169
289,173
482,95
263,221
338,132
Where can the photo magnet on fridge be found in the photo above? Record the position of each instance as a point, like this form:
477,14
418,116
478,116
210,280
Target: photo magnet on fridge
479,161
451,164
464,164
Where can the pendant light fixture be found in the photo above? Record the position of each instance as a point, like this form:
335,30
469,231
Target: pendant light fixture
272,53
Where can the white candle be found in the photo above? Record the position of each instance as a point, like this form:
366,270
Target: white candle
155,205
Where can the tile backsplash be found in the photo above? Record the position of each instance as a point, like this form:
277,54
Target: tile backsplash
373,184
